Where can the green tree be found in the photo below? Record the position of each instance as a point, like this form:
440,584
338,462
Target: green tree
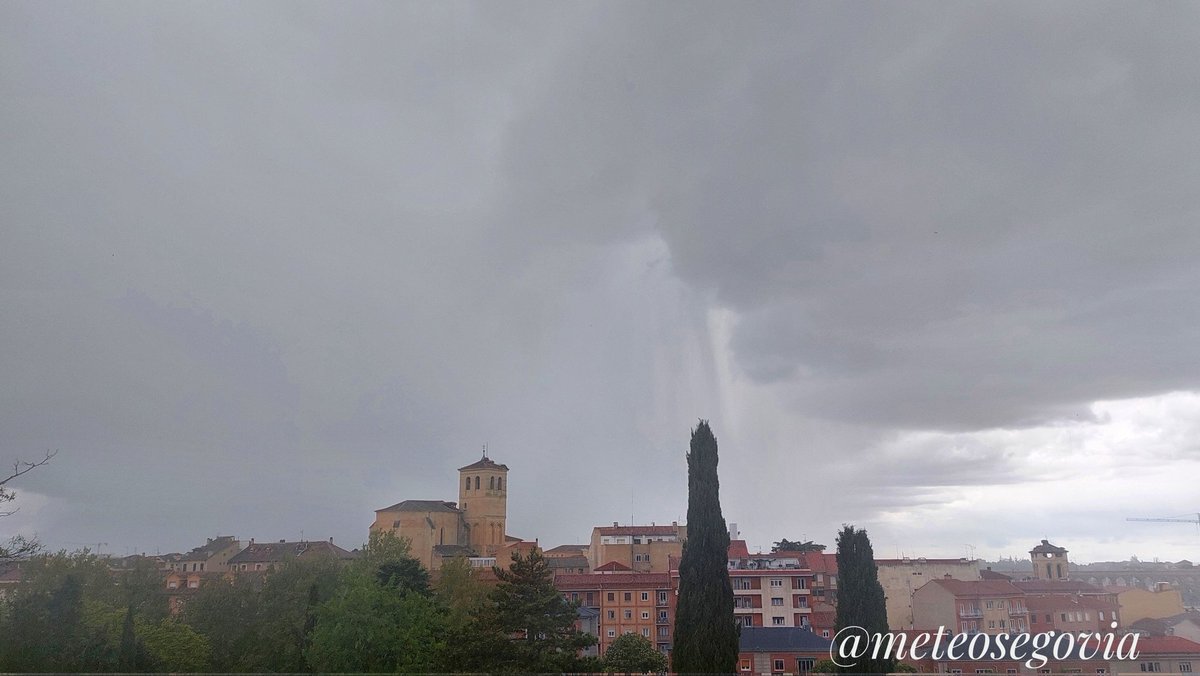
175,647
372,627
826,667
538,621
225,612
633,654
860,598
706,635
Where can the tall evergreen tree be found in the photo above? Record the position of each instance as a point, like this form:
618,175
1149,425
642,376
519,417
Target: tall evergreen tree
860,598
706,633
534,614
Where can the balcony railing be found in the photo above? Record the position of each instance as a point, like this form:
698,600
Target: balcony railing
970,612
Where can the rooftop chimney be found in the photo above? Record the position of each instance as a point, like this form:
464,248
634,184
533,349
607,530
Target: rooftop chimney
615,524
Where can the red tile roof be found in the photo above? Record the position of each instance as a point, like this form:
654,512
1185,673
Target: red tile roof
1158,645
614,582
978,587
738,549
1057,586
820,562
612,566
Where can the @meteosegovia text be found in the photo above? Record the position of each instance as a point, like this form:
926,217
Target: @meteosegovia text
853,644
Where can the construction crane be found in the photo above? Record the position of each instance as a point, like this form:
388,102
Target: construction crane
1168,519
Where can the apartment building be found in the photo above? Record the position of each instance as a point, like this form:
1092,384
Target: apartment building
901,577
987,606
626,602
645,549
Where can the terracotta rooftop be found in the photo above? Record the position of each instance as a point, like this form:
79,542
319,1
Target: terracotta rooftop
1057,586
629,581
738,549
1158,645
978,587
820,562
613,567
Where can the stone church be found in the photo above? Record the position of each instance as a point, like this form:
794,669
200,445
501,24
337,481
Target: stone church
473,527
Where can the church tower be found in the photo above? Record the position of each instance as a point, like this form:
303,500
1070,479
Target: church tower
1049,562
483,498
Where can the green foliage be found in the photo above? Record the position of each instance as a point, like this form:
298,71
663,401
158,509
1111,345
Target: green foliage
372,627
633,654
860,600
175,647
706,634
796,546
904,668
826,667
226,614
538,622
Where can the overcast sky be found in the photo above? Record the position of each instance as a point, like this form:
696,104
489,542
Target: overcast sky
928,268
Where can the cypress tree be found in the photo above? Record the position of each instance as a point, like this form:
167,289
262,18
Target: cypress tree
860,598
706,632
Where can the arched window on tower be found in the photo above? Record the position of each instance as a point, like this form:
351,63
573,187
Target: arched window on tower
500,483
476,483
468,483
491,483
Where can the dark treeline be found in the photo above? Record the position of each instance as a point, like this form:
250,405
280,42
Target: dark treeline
378,614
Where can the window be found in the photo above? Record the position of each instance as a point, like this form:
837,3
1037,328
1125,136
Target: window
476,483
645,614
612,633
1101,671
663,632
589,598
1101,613
172,584
1185,667
1063,616
799,583
662,616
468,486
646,632
1003,624
777,621
776,601
192,584
803,602
744,665
1151,667
574,596
804,664
645,596
747,620
612,614
629,614
662,597
628,596
777,666
824,633
776,582
991,624
612,597
991,604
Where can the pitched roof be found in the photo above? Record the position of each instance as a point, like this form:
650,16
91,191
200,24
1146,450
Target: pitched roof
564,550
484,463
1057,586
207,551
273,552
1158,645
781,639
978,587
567,561
1047,548
820,562
612,567
738,549
615,582
638,530
422,506
990,574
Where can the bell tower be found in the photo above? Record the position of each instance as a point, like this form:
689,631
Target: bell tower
1049,562
483,498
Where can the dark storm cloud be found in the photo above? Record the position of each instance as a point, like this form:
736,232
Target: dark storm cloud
284,264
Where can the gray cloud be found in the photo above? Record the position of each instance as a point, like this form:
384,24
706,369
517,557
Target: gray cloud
273,267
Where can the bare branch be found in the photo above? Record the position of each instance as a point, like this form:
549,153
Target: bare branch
20,467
